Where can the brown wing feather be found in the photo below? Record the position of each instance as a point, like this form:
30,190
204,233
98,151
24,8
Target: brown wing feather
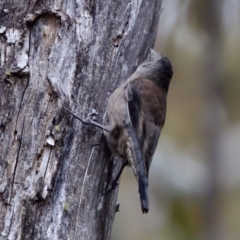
147,111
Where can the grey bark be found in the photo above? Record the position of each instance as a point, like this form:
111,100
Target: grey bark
53,169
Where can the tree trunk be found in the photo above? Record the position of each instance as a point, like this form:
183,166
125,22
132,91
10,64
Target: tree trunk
54,53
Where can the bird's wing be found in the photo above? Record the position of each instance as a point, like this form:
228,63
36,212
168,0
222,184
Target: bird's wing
147,111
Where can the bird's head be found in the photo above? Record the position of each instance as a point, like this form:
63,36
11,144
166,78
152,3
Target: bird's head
157,68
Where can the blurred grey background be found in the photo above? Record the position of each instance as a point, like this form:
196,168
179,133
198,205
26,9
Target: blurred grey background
195,174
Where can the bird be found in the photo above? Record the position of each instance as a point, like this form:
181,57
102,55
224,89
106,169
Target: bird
134,117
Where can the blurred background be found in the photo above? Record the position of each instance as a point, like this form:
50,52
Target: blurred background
195,174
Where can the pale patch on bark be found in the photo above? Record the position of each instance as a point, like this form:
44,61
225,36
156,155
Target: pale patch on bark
13,35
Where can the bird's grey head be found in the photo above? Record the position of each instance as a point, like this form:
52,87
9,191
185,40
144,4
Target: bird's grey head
158,68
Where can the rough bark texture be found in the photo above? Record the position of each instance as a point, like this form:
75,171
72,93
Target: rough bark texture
53,169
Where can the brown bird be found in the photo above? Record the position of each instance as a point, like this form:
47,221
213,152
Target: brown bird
136,114
134,118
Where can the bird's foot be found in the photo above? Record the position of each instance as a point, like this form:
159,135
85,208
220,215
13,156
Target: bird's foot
92,114
110,187
117,208
90,119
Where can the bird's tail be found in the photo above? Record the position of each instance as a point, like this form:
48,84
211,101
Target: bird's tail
135,158
143,188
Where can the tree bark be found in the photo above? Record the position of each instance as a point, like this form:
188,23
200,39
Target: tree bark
74,53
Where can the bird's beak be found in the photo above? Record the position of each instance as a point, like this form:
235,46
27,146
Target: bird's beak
153,55
152,51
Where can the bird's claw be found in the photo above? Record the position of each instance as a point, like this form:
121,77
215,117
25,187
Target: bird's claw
117,208
110,188
92,114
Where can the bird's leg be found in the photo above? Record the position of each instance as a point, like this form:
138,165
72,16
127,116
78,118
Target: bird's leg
117,207
90,119
113,183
